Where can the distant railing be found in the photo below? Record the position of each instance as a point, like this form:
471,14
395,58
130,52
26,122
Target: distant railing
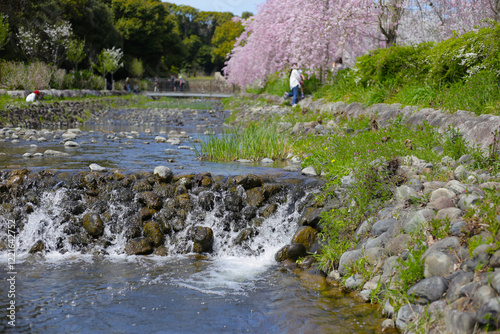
165,85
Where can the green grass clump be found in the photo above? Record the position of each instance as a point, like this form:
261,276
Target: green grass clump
253,143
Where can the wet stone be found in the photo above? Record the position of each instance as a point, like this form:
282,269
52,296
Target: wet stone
139,246
290,252
93,224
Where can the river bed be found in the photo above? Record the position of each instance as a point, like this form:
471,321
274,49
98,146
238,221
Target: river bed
228,291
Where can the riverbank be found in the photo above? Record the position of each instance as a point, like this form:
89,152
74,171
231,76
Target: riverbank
428,252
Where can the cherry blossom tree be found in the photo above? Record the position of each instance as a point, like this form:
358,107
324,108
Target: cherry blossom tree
312,33
309,33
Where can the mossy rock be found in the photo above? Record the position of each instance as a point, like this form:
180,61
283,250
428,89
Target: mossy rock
311,217
255,196
164,190
290,252
146,214
183,202
203,180
93,224
306,236
39,246
244,235
249,181
142,185
269,210
203,239
271,189
161,251
152,231
139,246
150,200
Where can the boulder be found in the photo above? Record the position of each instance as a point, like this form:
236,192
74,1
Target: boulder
438,264
382,226
93,224
290,252
407,315
489,313
459,280
348,258
203,239
306,236
164,173
447,245
458,322
397,245
449,213
429,290
139,246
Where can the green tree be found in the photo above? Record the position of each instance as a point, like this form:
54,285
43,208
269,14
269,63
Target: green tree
223,41
149,31
4,30
109,61
246,15
92,21
135,68
76,52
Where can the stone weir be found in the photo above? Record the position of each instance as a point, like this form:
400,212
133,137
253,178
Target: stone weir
152,212
51,115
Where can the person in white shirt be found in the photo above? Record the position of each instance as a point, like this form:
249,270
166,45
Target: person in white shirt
32,97
294,85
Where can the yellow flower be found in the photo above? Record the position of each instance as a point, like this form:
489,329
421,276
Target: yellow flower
326,148
333,161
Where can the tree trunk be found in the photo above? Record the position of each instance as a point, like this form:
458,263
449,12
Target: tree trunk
495,7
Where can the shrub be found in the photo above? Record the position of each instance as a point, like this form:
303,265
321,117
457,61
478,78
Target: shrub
397,65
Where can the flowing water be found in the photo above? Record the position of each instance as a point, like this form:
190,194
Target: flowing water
236,289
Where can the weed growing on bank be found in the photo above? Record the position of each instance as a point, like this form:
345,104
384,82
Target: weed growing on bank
355,143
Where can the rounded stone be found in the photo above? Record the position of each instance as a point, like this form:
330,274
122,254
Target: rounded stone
153,233
93,224
442,192
438,264
164,173
305,235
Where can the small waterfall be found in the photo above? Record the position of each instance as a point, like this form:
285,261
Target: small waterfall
45,224
244,233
